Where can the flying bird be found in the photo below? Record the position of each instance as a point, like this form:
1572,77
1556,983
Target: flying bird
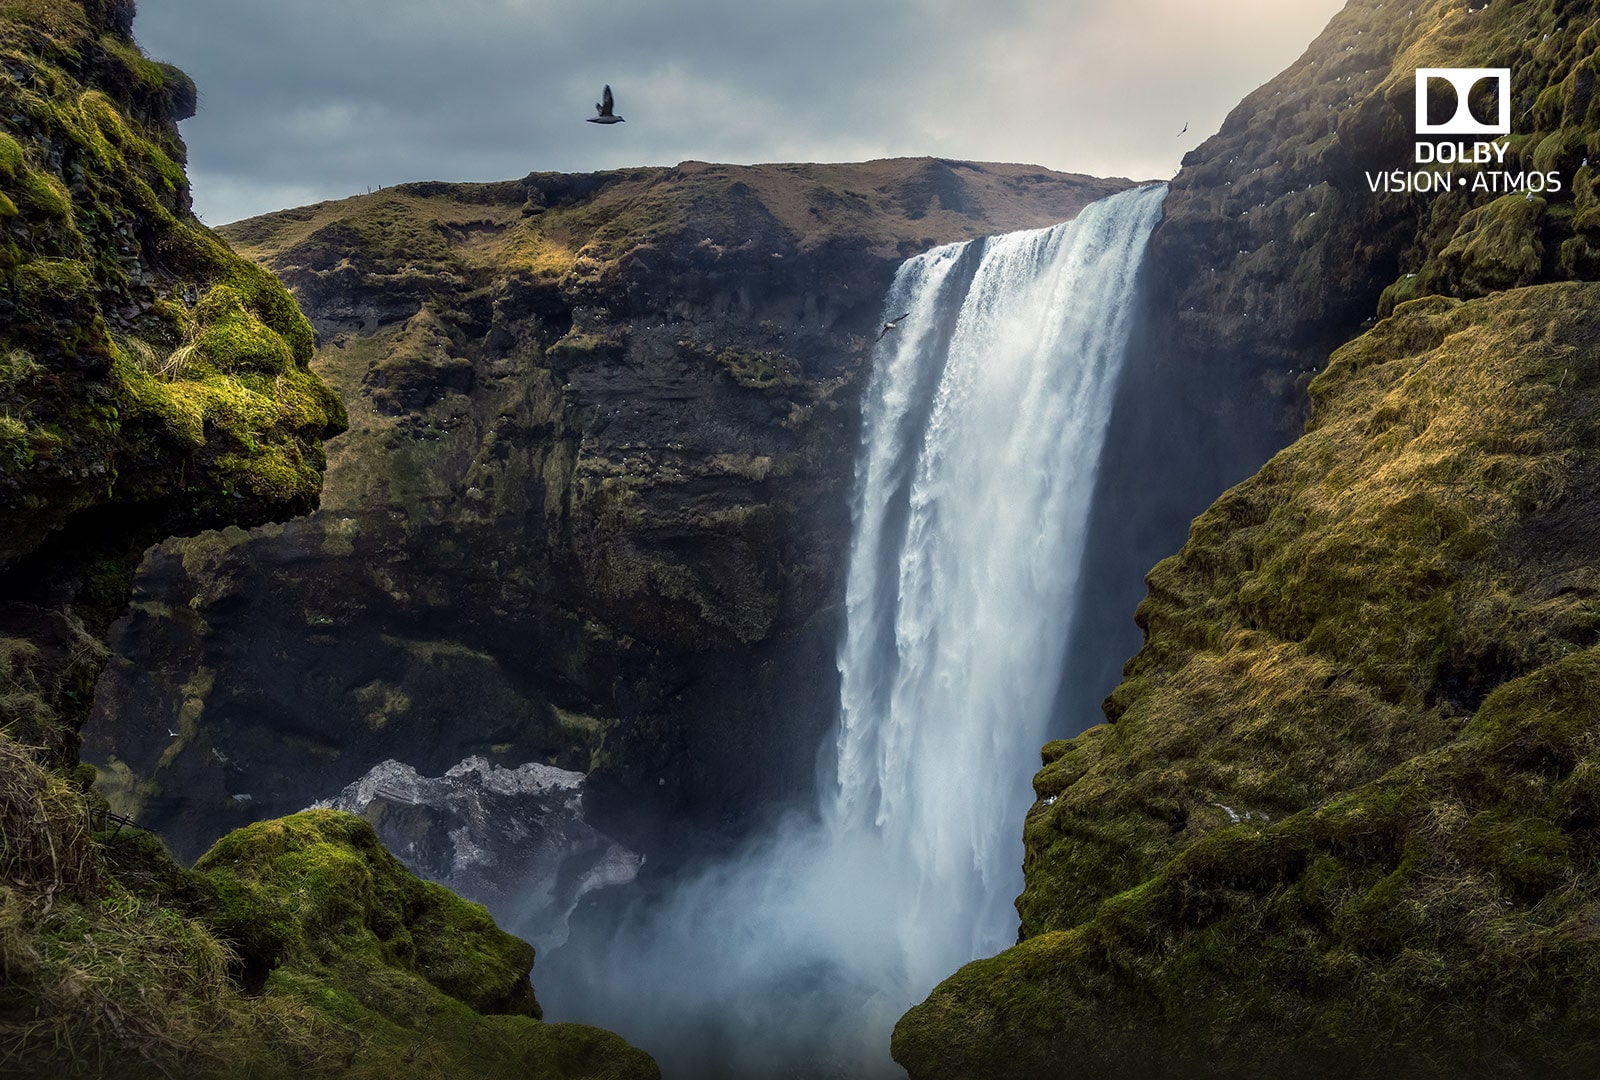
1185,129
604,107
891,324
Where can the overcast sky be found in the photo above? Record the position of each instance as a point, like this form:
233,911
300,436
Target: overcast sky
305,100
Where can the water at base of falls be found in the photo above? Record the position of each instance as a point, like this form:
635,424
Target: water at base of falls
984,422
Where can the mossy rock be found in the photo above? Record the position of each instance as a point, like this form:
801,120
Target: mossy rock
321,885
1342,822
151,381
301,948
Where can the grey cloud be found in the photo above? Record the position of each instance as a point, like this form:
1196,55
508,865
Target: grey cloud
313,99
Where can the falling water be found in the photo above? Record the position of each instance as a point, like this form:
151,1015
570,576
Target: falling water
969,527
984,422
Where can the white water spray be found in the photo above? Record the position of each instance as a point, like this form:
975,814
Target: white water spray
984,424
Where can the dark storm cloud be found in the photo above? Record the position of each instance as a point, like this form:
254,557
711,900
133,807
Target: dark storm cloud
304,100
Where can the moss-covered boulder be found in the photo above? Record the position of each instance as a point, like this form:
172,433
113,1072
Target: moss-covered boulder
298,948
320,885
330,918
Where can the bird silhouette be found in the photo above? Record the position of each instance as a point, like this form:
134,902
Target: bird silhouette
891,324
1185,129
604,108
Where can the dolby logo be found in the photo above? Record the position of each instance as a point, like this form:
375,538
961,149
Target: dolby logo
1464,81
1464,151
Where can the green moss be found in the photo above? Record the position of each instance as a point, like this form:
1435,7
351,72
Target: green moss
46,195
187,408
298,948
49,281
13,162
235,340
1496,246
340,894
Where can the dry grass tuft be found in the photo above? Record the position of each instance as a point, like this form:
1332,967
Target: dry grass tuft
46,847
174,366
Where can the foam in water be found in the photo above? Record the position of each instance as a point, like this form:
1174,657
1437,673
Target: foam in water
983,427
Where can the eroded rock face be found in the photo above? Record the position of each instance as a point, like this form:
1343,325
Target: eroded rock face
592,510
514,840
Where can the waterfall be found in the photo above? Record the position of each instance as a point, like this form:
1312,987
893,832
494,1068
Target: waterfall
984,420
971,509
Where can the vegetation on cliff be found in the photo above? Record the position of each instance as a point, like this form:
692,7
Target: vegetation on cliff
153,382
295,948
1338,821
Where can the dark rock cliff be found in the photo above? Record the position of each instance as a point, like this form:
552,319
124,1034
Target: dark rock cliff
592,509
1337,824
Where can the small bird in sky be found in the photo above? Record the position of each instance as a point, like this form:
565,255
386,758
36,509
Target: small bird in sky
891,324
1185,130
604,108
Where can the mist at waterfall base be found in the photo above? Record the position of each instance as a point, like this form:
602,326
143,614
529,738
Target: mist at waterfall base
983,426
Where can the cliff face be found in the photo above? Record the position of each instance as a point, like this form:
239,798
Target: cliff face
592,509
153,382
1274,250
1338,823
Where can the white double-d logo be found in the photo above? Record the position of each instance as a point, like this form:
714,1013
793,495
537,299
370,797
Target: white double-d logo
1463,122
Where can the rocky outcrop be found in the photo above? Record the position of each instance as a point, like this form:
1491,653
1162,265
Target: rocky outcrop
1335,825
151,381
592,509
514,840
